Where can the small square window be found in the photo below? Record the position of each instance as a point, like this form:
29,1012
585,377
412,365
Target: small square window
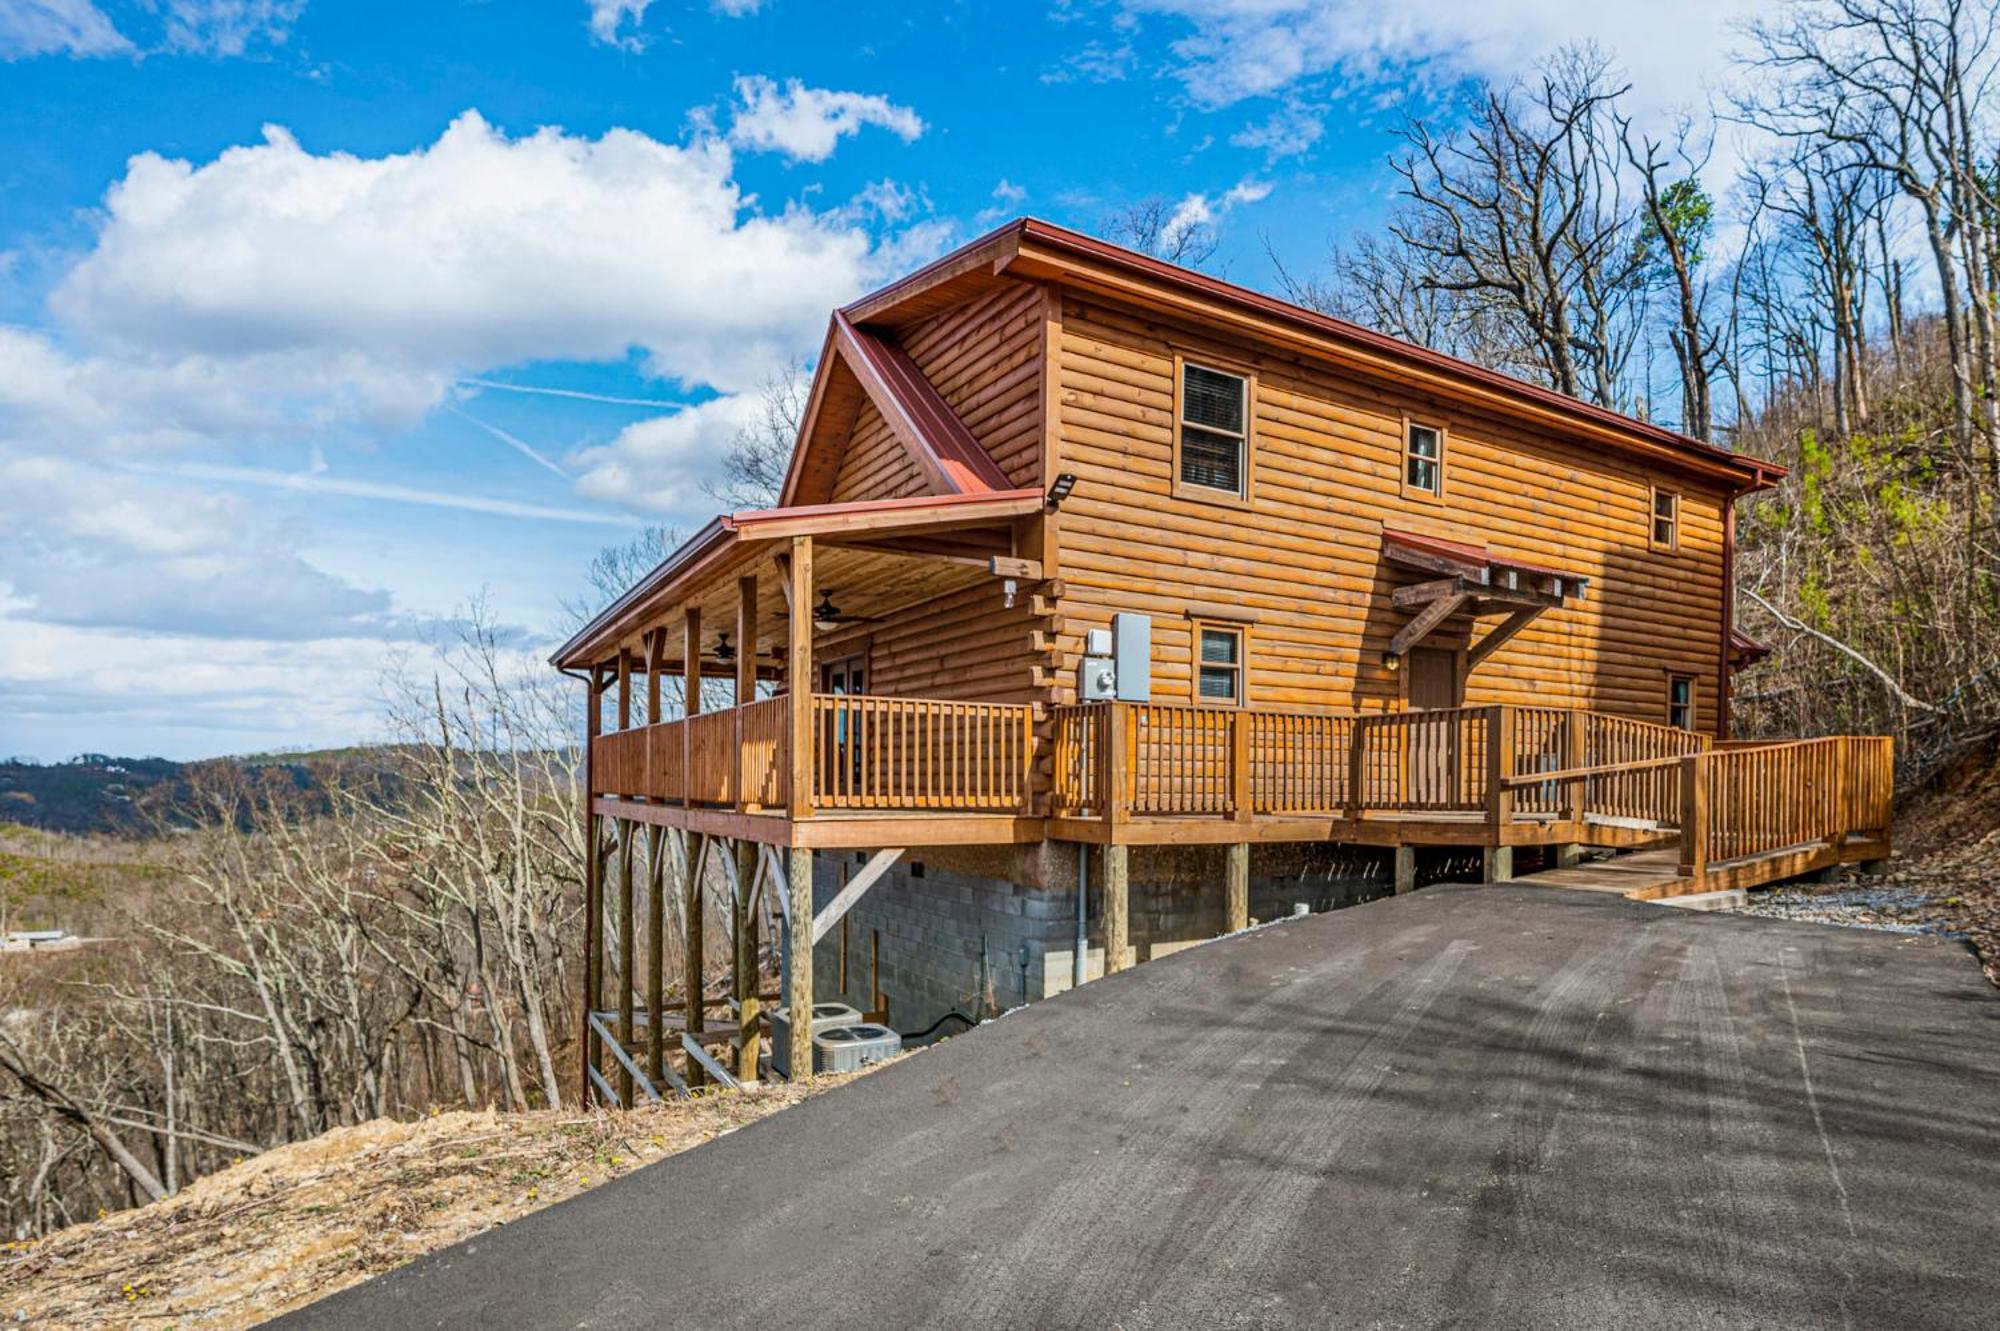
1666,520
1680,701
1219,672
1214,431
1423,459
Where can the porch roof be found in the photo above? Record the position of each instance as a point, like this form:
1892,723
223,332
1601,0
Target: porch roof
731,542
1465,558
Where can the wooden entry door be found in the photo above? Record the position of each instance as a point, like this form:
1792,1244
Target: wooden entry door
1435,760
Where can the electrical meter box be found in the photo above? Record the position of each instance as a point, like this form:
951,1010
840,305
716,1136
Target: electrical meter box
1132,657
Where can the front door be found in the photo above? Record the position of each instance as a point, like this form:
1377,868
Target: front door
1435,754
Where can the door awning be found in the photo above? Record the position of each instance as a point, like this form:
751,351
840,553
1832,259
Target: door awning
1475,581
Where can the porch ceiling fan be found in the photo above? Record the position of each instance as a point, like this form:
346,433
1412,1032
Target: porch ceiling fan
827,616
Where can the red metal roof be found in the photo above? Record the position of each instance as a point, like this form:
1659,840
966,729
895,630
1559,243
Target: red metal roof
1465,551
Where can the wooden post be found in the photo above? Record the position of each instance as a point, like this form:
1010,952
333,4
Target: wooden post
656,662
743,967
1117,803
1117,907
624,689
1576,754
1406,869
690,695
1498,864
1240,807
656,952
1357,767
746,675
1694,818
799,986
1499,767
1236,872
799,682
695,966
626,949
593,887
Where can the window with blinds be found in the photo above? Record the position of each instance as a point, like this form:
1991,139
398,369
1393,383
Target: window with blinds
1219,674
1213,428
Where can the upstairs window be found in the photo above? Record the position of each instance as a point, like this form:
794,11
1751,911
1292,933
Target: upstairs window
1214,431
1666,533
1423,459
1680,701
1219,671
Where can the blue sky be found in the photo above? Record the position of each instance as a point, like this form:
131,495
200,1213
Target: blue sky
253,253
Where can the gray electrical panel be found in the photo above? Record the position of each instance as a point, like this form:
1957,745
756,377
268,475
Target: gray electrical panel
1132,656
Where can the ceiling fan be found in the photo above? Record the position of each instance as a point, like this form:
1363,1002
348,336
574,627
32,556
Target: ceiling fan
827,616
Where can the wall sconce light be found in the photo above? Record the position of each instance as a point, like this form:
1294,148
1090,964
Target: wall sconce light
1060,490
1008,589
1392,662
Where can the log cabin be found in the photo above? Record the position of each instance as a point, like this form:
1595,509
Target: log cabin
1107,604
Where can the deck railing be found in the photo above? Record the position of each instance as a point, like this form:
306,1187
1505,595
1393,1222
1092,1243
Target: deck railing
1747,801
1493,763
1496,765
920,753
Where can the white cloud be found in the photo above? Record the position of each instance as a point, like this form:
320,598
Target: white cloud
1229,51
1007,200
658,465
607,21
1195,211
57,27
1287,132
228,27
737,8
474,252
806,124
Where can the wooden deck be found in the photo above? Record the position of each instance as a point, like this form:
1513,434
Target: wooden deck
1653,875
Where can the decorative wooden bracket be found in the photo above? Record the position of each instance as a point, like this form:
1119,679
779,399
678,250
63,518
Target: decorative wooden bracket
1498,637
1432,615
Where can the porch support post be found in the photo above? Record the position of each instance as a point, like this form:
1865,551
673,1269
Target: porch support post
746,639
626,951
696,965
656,660
1117,907
1237,873
1498,864
799,980
593,889
799,681
656,949
1406,869
746,682
624,689
690,695
743,967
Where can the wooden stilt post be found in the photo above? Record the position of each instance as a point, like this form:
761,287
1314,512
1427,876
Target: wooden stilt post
1406,869
656,951
695,967
799,983
1117,909
744,966
799,682
626,940
1237,874
593,890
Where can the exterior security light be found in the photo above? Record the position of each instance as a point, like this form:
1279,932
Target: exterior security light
1060,490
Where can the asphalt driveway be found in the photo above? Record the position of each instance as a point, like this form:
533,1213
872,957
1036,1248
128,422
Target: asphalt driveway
1484,1106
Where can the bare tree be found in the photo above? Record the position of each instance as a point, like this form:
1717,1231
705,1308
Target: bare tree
1177,233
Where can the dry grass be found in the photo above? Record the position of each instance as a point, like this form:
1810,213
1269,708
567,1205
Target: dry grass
297,1223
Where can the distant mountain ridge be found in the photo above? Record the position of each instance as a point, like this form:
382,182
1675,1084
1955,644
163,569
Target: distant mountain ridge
95,792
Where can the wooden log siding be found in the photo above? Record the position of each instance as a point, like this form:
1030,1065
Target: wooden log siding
920,753
984,358
876,465
1304,555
